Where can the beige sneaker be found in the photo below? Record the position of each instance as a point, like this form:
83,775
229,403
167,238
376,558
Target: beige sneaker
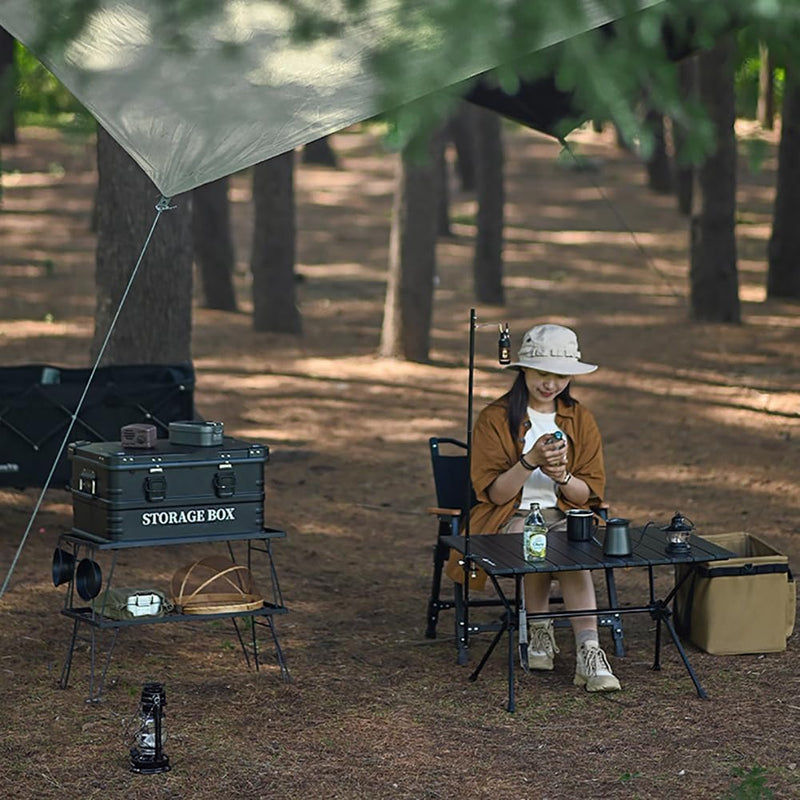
541,645
593,671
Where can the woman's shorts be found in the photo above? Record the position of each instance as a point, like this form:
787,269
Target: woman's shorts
552,516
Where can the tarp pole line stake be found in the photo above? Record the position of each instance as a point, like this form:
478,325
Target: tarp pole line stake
162,206
604,196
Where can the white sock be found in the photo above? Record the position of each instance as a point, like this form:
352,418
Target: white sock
586,638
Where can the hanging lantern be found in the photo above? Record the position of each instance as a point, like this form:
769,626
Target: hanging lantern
504,344
678,533
147,754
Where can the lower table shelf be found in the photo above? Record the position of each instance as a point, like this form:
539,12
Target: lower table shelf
92,617
89,621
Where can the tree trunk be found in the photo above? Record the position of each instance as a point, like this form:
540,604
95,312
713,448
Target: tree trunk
488,260
412,257
713,276
321,153
444,194
460,131
213,244
8,89
684,172
765,108
659,169
273,259
783,274
155,324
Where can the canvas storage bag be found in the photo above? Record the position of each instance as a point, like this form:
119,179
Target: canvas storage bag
744,605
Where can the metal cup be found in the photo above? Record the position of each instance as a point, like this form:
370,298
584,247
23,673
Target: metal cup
580,525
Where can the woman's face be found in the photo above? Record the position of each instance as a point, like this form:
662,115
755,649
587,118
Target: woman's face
543,388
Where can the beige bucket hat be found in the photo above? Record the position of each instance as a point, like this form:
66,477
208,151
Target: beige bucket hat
552,348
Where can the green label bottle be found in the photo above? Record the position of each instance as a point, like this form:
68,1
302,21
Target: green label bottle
534,535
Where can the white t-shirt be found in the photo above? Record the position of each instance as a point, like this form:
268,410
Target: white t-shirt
538,488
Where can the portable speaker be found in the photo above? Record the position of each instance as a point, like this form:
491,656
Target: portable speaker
138,435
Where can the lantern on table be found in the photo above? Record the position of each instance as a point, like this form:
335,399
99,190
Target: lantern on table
678,533
147,754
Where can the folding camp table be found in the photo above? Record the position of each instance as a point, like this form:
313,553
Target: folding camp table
500,556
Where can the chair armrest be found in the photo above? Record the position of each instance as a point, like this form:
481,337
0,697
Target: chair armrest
444,512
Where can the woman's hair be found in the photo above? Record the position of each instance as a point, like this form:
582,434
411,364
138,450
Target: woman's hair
518,402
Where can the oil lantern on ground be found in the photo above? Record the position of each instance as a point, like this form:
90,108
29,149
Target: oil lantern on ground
147,753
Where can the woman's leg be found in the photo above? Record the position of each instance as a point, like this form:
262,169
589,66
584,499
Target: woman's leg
537,592
592,669
577,589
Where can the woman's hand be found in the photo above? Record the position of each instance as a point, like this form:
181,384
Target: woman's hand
549,454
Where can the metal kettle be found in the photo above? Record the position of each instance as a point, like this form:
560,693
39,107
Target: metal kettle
617,541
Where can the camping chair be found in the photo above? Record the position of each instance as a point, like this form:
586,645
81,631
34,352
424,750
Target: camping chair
450,481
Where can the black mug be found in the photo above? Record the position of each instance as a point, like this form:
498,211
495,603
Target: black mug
580,525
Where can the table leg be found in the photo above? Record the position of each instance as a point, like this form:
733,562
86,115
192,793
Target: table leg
244,646
64,681
269,622
616,624
95,697
661,613
489,650
508,625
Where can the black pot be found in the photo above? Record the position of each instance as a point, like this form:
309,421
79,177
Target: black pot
88,578
63,566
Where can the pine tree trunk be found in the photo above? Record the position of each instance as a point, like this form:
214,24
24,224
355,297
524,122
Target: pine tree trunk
155,323
444,195
461,132
783,274
765,108
321,153
8,89
412,257
488,260
659,169
684,172
713,273
273,258
213,244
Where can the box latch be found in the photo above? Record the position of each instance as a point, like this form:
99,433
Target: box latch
225,481
155,486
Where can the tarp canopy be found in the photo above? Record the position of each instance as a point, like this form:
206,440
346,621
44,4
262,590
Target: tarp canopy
244,90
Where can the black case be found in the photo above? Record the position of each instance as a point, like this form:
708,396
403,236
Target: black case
169,490
37,404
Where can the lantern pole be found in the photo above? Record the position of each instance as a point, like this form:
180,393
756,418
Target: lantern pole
504,357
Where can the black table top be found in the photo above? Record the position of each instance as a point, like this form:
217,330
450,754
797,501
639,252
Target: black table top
501,553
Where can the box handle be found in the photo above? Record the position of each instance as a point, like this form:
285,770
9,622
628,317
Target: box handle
155,487
87,481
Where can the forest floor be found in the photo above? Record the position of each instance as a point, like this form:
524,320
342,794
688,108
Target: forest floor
699,418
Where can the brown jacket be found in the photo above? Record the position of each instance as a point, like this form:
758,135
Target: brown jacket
494,451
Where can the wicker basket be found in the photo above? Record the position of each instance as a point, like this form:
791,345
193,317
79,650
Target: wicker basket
214,585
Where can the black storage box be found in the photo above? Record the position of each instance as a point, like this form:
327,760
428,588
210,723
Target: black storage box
37,403
169,490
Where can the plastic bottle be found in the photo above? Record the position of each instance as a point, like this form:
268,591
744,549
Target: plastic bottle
534,535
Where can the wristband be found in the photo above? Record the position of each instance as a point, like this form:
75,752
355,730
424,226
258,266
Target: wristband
566,480
529,467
